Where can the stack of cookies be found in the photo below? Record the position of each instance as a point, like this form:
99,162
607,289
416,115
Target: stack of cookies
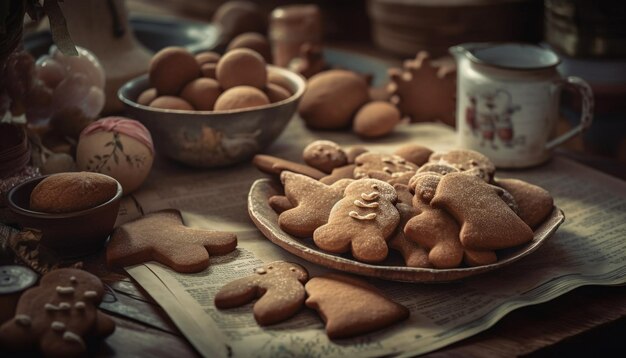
437,209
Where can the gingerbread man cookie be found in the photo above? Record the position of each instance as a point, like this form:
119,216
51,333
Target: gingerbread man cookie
361,222
311,200
433,228
414,255
350,306
162,237
345,172
58,316
324,155
487,222
386,167
466,160
279,287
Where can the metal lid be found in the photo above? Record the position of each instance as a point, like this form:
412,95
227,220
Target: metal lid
15,278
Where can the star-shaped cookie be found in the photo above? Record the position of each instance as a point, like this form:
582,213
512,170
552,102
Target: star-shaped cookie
162,237
424,90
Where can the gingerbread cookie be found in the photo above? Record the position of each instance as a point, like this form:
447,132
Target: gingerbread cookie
439,168
467,160
311,200
58,316
274,166
534,203
433,228
424,90
354,152
404,194
350,306
414,153
280,203
386,167
487,222
414,255
345,172
361,222
162,237
279,287
324,155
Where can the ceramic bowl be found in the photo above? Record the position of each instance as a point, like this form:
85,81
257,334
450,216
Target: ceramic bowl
71,234
209,139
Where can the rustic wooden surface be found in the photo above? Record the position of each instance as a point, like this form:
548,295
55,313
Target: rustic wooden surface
589,320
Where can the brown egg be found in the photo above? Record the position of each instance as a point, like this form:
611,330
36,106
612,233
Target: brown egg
332,98
253,41
208,70
276,93
241,97
207,57
241,67
376,119
201,93
275,78
171,102
147,96
171,69
238,17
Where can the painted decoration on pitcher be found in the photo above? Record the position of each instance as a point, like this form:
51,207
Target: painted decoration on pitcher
488,116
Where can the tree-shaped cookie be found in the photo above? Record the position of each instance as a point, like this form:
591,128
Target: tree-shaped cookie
279,286
361,222
351,306
312,201
487,222
58,316
424,92
162,237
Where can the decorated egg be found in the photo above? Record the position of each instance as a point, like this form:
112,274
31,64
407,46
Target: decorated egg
119,147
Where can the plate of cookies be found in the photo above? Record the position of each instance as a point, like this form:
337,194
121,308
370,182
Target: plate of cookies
412,216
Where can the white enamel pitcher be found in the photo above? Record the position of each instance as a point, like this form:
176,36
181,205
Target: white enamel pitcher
508,100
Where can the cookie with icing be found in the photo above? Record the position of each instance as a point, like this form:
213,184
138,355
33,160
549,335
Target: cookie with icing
279,287
387,167
59,316
361,222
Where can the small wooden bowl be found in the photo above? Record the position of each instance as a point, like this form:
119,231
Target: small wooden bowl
72,234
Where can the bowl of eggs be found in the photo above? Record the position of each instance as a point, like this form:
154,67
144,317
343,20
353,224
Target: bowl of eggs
207,110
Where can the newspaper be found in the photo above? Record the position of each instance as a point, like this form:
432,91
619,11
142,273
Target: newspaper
588,249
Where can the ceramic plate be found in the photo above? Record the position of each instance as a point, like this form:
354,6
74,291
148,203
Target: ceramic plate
266,221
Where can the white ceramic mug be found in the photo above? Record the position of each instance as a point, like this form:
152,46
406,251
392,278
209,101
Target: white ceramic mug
508,99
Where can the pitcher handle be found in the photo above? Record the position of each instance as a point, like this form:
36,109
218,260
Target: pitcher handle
586,117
